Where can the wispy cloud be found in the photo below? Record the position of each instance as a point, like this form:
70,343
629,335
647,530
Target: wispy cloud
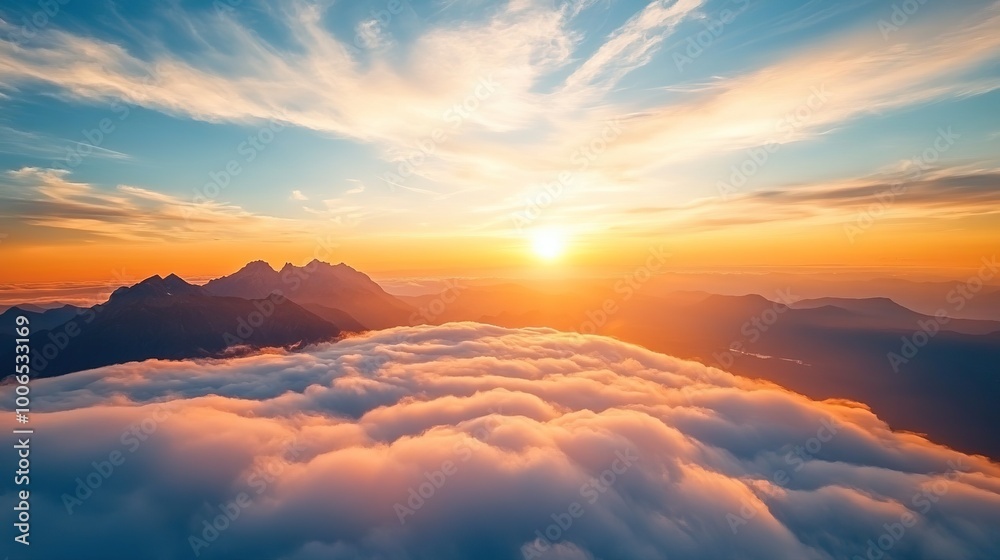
48,198
555,92
938,194
632,45
237,76
360,188
37,145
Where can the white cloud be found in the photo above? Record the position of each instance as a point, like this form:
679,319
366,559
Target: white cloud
554,92
631,45
360,188
524,421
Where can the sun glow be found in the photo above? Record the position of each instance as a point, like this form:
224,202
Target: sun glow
548,244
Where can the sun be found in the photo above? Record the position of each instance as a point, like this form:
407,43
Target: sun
548,244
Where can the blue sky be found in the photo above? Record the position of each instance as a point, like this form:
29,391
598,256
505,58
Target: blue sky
345,93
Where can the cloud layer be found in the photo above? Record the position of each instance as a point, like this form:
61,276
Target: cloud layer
474,441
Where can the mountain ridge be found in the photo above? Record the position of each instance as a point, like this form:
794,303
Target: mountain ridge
168,318
338,287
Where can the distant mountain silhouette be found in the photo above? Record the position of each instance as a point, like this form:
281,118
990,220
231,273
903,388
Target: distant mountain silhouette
823,348
35,308
888,314
155,287
168,318
984,306
866,306
254,281
337,288
39,318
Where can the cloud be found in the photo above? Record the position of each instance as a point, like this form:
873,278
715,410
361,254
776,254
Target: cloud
392,95
555,90
824,87
797,97
49,198
297,195
631,45
372,35
58,150
360,188
942,193
320,84
952,193
509,439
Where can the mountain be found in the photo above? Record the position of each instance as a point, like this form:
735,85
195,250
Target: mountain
825,348
867,306
922,296
255,280
984,306
338,288
35,307
39,318
342,319
169,318
155,288
886,313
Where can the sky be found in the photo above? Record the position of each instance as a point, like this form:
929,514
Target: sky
469,137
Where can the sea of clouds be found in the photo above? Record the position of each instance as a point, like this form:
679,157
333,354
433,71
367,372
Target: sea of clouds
469,441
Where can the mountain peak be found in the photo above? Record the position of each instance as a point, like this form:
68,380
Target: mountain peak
257,266
156,286
318,264
335,286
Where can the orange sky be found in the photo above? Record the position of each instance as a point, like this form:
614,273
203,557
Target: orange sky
945,253
847,148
